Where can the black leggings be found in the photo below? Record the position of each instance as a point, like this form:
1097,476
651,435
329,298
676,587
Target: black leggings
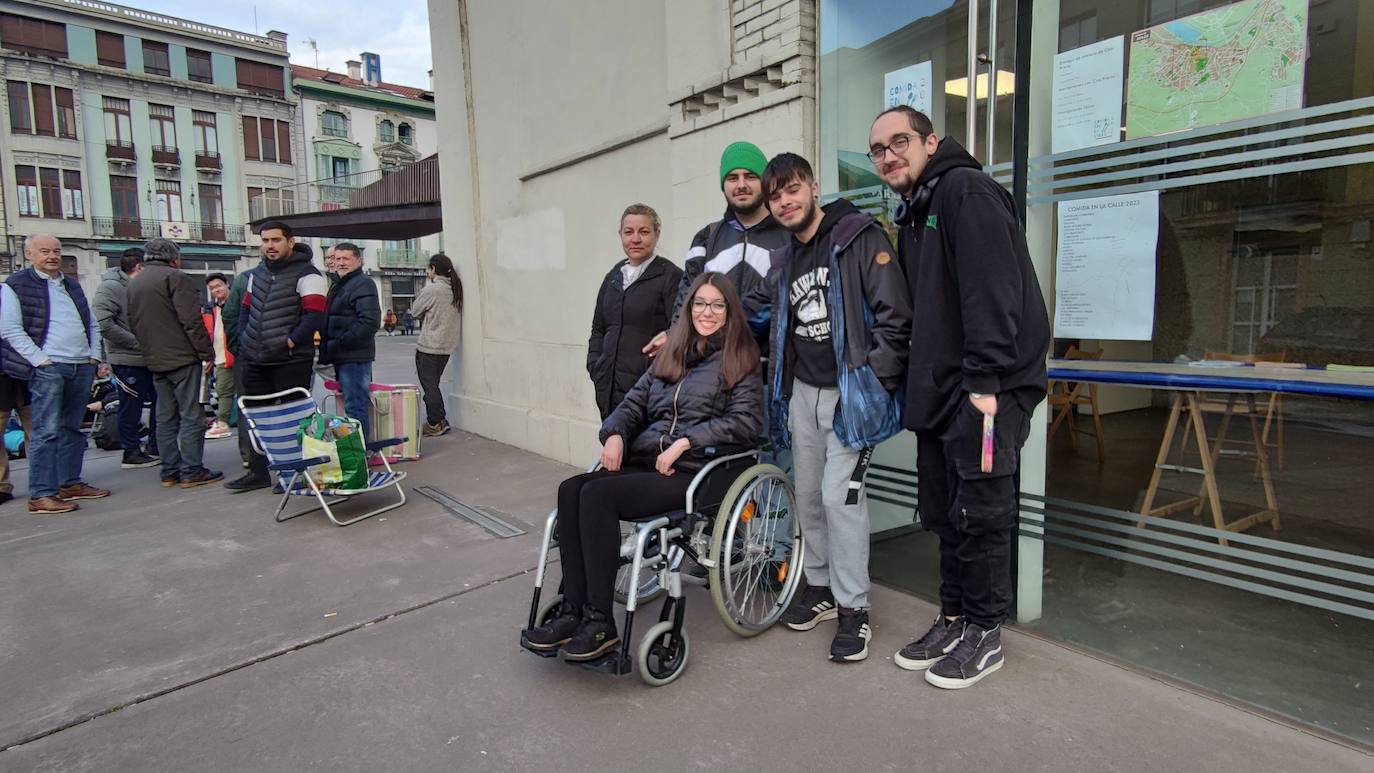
590,509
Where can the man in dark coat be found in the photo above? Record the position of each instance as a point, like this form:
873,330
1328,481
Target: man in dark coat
980,338
164,312
634,303
350,328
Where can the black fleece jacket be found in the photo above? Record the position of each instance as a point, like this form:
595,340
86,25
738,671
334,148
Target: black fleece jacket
978,317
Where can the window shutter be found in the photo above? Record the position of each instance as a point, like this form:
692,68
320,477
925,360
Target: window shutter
250,138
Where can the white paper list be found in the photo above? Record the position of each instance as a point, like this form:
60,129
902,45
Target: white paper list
1087,95
1104,282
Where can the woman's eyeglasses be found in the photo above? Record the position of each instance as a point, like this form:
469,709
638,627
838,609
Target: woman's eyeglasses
716,307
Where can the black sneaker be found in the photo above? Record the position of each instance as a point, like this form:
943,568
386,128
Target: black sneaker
978,654
936,643
595,637
134,460
851,641
249,482
813,606
553,634
201,477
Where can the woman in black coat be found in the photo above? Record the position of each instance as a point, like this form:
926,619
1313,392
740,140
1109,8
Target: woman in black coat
704,390
634,303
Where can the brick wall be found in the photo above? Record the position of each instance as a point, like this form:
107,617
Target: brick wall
762,27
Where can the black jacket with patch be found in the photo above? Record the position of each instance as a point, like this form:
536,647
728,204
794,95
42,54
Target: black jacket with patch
978,317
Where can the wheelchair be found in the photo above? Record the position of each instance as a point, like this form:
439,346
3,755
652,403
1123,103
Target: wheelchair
738,523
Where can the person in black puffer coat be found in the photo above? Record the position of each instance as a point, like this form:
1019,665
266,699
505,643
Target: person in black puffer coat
704,390
348,341
634,303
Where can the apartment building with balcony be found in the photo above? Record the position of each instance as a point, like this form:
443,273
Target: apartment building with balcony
121,125
359,128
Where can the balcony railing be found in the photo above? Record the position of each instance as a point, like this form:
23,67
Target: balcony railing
164,155
208,161
417,183
131,228
402,258
119,150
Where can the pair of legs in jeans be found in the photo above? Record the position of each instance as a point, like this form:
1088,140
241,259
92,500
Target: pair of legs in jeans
138,380
355,382
57,447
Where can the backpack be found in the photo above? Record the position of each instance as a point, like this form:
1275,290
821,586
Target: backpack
106,433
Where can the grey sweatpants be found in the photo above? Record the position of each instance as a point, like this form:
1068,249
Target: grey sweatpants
831,504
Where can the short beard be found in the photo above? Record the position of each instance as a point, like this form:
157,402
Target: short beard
809,214
752,209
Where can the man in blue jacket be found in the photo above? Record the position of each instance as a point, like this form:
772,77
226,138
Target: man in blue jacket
51,340
807,362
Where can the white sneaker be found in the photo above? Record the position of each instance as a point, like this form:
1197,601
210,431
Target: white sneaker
218,430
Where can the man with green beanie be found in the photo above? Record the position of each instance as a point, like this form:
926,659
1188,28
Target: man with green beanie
738,244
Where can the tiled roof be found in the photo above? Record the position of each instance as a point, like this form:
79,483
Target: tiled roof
301,72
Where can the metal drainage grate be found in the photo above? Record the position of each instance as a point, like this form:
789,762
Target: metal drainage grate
499,527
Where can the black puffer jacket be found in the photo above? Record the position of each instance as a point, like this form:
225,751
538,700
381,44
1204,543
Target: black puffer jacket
623,323
282,299
351,320
655,413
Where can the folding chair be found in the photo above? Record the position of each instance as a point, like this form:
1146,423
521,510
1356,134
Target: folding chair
273,421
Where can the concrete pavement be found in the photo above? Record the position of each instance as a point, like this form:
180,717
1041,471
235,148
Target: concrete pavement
184,630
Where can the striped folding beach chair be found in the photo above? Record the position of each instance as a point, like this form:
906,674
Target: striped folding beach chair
273,421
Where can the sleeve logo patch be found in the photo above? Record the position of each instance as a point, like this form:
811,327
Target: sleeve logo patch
883,259
930,222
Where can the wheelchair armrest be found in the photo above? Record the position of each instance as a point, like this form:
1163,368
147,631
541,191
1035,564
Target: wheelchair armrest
378,445
713,452
300,465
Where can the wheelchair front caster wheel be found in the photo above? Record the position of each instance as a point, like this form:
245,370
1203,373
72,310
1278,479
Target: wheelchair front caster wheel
662,654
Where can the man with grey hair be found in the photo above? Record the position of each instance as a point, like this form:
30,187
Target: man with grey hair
50,340
164,309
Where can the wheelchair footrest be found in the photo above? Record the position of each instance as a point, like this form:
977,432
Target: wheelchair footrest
611,663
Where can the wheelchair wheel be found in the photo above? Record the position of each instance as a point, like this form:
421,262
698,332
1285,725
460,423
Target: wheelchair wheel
548,609
662,655
649,587
757,547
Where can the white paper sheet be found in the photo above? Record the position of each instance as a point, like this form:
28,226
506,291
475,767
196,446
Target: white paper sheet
1105,267
1087,95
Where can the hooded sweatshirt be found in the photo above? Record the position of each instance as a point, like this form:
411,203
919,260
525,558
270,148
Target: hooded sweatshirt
979,323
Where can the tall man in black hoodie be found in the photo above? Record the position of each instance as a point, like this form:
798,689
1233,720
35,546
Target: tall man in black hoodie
978,350
808,301
283,307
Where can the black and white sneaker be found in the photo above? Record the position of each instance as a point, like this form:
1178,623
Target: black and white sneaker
851,640
938,642
815,605
133,460
978,654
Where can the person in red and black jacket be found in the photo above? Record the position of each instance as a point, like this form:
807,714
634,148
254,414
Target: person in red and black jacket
283,308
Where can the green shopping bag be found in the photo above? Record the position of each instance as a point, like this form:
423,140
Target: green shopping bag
341,439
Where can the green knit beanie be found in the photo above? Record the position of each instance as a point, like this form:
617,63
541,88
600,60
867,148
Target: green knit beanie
742,155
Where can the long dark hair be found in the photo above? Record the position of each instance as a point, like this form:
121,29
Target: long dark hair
444,267
739,352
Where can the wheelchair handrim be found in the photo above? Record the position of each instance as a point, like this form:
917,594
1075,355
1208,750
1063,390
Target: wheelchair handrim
738,581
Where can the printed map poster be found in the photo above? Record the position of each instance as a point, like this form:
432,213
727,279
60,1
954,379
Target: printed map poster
1234,62
908,86
1104,281
1087,95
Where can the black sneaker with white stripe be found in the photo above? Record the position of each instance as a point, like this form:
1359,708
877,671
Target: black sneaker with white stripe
815,605
938,642
851,640
977,654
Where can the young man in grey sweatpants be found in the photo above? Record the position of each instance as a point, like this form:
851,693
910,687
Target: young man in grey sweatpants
868,294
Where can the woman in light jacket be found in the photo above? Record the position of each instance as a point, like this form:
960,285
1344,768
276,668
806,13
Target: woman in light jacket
439,308
634,303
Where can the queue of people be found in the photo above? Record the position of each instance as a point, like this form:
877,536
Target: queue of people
942,335
254,336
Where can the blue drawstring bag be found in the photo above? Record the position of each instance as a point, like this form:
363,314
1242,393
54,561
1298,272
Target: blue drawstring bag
868,414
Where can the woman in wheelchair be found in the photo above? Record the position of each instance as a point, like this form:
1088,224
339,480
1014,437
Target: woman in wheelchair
703,390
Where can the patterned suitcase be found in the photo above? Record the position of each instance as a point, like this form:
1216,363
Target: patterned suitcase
395,412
